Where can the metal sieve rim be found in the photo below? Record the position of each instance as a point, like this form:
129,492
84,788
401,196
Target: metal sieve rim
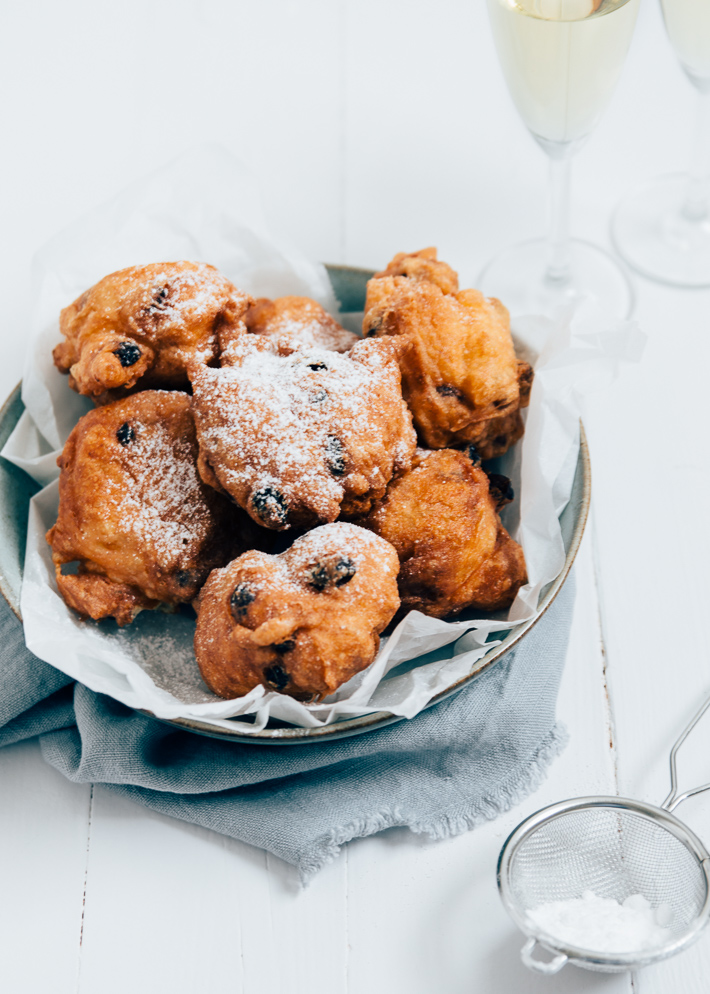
576,953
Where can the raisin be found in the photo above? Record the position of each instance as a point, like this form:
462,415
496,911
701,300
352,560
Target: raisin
317,396
335,455
473,454
501,489
286,646
501,441
241,598
127,353
446,390
525,378
374,327
159,298
316,366
345,570
270,504
319,578
185,577
276,676
334,574
125,433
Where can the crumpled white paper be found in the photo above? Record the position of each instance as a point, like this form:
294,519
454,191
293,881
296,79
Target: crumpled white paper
205,207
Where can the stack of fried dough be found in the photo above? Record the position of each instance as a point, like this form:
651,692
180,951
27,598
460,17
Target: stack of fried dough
299,485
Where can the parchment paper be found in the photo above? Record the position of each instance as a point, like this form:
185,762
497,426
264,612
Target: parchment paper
205,207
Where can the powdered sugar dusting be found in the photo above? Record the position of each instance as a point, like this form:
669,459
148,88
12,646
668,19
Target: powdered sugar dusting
293,334
338,538
162,646
185,295
184,310
164,502
298,323
365,550
312,425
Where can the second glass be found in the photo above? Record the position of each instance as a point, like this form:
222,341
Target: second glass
562,60
663,228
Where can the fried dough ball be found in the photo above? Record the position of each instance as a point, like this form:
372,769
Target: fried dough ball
442,518
296,323
134,512
459,370
302,622
138,328
299,439
423,265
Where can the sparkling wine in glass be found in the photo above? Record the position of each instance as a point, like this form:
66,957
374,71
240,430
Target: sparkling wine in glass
663,228
561,60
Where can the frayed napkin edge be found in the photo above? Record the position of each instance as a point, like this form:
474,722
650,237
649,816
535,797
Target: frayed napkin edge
442,825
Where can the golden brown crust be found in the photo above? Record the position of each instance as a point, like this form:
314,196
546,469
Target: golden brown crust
138,328
459,368
423,266
133,512
442,519
494,437
299,439
302,622
298,322
93,595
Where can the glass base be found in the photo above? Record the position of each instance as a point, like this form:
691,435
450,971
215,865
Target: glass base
651,232
517,277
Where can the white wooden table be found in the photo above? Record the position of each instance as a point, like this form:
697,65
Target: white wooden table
375,127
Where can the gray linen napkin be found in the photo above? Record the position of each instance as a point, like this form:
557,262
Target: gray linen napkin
441,773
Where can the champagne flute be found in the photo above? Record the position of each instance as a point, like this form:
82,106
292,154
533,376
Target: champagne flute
663,228
561,60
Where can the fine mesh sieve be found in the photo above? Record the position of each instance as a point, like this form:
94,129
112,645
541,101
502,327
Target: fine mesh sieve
615,847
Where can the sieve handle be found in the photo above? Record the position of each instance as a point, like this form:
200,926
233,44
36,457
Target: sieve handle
674,798
538,965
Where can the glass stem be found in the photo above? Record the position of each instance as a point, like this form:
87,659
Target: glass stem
697,199
558,272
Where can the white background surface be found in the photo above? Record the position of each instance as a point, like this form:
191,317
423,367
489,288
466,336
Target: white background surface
375,127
